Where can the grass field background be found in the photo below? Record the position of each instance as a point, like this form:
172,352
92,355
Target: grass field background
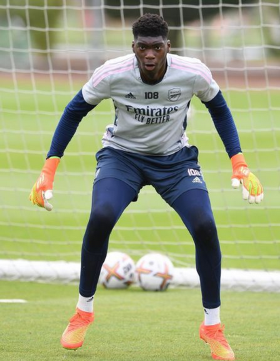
31,107
133,324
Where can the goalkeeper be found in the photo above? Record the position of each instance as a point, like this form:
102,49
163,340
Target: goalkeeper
147,145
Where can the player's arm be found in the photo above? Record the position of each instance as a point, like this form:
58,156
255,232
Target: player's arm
224,123
74,112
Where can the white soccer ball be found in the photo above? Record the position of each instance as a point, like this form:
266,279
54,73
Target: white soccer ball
118,271
154,272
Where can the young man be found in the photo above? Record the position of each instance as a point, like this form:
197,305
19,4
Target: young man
151,90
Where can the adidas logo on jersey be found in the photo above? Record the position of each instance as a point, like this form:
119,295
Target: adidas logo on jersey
196,180
130,96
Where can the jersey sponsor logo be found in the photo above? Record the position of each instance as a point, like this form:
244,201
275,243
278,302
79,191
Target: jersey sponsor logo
174,94
152,115
130,96
194,172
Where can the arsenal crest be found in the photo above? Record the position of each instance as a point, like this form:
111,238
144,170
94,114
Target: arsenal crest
174,94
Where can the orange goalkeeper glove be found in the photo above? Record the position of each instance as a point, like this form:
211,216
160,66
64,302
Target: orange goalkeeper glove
252,189
41,192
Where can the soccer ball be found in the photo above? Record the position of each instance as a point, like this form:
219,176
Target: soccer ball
154,272
118,271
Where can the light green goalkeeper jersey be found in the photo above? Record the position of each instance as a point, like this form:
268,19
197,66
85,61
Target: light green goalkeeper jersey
149,119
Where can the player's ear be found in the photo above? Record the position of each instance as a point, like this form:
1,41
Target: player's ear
168,45
133,45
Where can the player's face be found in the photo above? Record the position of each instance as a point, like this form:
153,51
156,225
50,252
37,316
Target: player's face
151,55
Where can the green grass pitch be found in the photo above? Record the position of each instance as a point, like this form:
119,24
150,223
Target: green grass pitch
133,325
249,234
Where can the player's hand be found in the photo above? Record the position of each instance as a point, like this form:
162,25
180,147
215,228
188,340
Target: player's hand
252,189
42,190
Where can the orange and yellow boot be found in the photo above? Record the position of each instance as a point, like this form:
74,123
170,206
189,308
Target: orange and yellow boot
74,334
214,336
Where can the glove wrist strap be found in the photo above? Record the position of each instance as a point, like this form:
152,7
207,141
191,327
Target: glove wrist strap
238,161
50,167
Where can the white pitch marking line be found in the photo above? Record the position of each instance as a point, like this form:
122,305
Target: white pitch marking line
14,300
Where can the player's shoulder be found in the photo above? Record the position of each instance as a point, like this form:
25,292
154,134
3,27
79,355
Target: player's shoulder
125,59
186,64
178,59
113,67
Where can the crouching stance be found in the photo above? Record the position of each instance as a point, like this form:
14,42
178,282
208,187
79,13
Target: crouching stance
147,145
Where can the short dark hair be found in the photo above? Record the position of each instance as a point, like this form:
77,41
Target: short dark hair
150,25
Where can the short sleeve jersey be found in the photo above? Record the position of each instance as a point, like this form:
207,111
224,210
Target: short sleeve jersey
149,119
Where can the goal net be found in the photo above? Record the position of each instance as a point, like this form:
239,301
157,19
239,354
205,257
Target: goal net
49,49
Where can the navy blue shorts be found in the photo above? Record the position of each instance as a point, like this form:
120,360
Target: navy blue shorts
170,175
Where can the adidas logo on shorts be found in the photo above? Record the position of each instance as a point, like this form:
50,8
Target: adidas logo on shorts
196,180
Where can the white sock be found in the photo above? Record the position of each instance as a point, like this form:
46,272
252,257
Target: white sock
211,316
85,303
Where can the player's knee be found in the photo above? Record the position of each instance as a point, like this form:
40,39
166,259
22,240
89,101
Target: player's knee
103,216
205,231
100,224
